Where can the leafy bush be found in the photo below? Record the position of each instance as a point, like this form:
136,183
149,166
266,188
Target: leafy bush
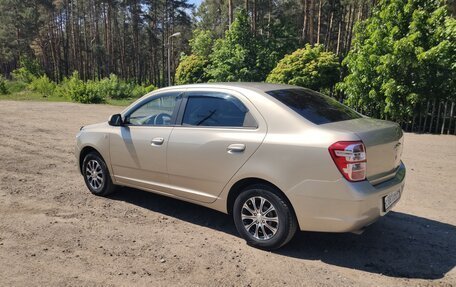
402,56
98,91
92,93
23,75
115,88
74,88
140,90
70,87
42,85
28,71
191,70
3,88
80,91
15,86
310,67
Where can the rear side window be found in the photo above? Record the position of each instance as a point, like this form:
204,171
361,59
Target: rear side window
313,106
216,110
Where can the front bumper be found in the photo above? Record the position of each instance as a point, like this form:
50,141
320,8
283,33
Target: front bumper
77,151
342,206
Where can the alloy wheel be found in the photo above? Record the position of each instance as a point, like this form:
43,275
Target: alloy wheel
94,175
260,218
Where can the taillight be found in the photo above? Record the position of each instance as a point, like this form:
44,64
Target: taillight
350,159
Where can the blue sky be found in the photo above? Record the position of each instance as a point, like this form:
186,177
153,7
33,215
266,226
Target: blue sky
196,2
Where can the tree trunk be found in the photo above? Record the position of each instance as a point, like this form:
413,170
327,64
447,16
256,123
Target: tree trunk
350,31
254,17
320,2
329,31
304,24
339,33
347,29
311,22
230,12
269,17
73,38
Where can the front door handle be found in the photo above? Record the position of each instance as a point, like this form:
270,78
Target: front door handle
157,141
235,148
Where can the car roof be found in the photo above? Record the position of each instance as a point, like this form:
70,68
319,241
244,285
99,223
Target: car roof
255,86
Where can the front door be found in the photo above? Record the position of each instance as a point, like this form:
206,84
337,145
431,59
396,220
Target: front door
138,149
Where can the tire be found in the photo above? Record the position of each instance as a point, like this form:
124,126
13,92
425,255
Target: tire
274,227
96,175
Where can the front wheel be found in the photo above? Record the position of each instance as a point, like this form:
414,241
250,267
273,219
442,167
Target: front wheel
263,217
96,175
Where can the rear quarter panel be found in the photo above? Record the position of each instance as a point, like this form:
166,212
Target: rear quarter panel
298,163
287,160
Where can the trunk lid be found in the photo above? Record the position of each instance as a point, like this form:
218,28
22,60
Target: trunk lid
383,141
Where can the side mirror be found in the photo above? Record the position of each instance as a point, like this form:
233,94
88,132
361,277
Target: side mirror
115,120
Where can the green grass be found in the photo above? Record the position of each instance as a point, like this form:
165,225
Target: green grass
15,86
31,96
121,103
19,93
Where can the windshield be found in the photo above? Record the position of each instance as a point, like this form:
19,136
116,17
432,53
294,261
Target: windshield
313,106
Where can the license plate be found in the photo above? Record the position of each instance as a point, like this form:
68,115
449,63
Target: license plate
390,199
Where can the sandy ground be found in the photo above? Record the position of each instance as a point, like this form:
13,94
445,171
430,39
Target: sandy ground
53,232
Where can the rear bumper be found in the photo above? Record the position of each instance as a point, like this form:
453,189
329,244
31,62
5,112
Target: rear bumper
342,206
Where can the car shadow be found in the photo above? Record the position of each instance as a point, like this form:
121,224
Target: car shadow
398,245
179,209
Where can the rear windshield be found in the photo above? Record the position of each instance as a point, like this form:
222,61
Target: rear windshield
313,106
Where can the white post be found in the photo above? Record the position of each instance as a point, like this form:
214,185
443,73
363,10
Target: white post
169,55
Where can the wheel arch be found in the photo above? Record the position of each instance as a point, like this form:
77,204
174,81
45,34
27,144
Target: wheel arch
85,151
242,184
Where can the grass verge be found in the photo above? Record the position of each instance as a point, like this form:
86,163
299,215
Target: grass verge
26,95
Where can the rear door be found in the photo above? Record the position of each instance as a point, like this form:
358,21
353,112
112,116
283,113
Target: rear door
218,132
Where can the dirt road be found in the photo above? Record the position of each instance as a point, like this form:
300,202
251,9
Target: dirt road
53,232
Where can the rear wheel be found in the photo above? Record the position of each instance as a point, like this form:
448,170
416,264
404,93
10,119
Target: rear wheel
263,217
96,175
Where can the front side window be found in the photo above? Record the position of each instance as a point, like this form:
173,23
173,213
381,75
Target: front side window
216,110
157,112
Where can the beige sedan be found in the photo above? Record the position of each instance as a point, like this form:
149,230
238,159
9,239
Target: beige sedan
278,158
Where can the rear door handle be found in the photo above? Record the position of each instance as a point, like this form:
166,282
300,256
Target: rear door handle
157,141
235,148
